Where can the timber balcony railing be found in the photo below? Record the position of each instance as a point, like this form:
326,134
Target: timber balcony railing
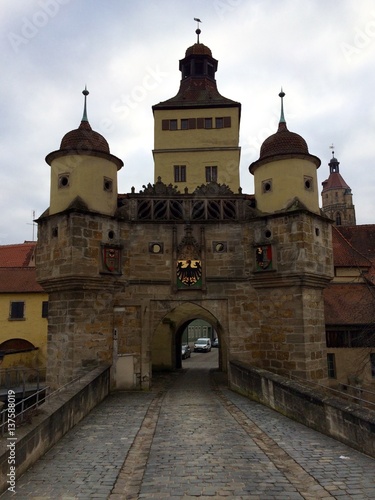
211,202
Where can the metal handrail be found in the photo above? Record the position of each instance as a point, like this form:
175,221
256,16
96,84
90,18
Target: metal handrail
341,393
3,417
4,413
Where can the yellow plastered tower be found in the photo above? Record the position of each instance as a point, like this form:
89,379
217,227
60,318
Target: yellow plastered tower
196,133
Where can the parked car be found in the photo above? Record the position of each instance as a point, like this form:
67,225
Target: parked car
185,351
202,345
215,343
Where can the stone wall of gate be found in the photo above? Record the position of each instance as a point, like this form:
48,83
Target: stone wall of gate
271,317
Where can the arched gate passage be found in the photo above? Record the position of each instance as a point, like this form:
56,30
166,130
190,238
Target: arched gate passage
166,339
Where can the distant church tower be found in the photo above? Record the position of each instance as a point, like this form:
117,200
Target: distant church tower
337,197
196,133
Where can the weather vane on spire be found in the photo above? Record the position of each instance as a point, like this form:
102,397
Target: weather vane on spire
332,147
85,93
197,31
282,95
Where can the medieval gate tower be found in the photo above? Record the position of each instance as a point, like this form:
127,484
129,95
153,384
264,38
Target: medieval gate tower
126,273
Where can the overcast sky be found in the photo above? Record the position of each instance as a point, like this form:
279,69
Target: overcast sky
322,52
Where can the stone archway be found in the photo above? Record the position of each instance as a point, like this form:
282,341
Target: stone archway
166,338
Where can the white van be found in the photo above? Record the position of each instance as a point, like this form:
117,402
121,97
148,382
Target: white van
202,345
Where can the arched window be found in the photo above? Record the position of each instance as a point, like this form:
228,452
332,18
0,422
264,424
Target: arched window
338,219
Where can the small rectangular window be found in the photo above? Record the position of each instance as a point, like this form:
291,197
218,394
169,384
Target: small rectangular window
219,122
211,174
179,173
192,123
172,124
200,122
184,124
208,123
227,121
45,309
331,365
17,310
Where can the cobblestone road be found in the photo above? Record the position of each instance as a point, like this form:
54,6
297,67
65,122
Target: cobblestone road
190,439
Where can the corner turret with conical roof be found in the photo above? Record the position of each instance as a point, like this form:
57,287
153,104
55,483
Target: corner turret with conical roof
337,198
196,132
285,174
83,171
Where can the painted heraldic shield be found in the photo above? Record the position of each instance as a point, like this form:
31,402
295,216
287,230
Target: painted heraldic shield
189,273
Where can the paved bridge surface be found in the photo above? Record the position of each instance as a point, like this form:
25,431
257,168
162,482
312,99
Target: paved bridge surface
192,437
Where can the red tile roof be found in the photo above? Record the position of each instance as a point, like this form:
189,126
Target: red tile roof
362,238
348,250
334,181
21,255
283,142
84,139
19,280
196,92
349,304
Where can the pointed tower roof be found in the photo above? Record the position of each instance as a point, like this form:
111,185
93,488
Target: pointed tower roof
283,144
84,140
198,86
335,180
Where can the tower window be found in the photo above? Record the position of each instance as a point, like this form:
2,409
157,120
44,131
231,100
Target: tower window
308,183
179,173
211,174
267,186
198,67
219,122
331,365
108,185
338,219
63,181
208,123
